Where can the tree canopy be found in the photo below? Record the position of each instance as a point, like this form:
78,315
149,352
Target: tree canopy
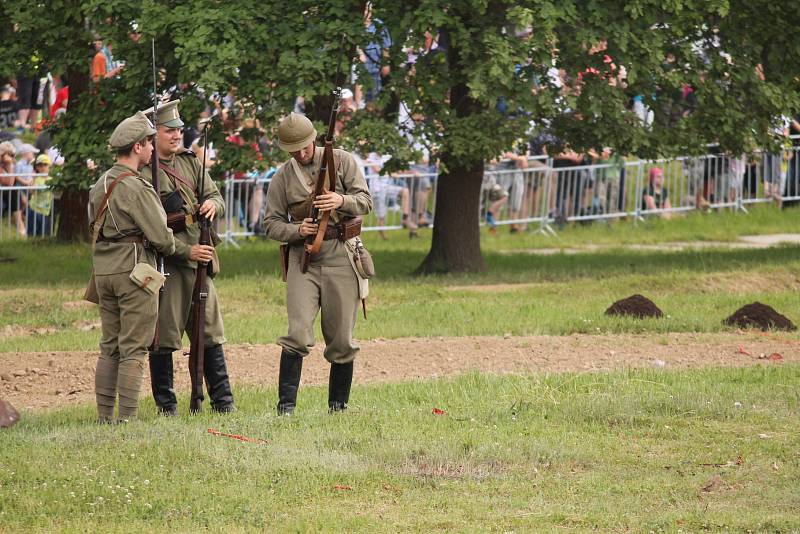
475,76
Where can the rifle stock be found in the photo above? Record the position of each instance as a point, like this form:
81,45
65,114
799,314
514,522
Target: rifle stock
197,342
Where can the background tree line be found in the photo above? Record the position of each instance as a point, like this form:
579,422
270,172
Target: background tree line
478,92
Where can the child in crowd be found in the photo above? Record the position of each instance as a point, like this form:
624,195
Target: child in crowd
656,196
40,204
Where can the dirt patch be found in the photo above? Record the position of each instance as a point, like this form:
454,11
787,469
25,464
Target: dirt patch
13,330
765,282
78,304
468,470
637,306
86,326
757,315
35,380
742,242
493,288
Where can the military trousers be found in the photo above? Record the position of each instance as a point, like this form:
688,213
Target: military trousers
128,320
175,313
329,287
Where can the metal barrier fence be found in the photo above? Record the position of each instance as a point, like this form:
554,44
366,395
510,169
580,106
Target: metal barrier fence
545,194
27,210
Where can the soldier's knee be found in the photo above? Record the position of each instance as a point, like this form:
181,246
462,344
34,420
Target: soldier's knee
341,358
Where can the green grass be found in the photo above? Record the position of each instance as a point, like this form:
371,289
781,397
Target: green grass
527,294
619,451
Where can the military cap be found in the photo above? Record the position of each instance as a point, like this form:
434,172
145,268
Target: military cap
295,132
168,114
133,129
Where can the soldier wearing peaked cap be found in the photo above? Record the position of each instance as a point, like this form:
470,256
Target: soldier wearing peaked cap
129,225
179,173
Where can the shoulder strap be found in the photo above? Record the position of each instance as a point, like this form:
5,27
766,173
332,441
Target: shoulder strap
175,174
104,206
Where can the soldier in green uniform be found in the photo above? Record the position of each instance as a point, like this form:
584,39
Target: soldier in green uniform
330,284
130,226
179,173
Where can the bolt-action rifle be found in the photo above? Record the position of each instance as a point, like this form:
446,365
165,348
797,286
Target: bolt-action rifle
327,169
154,164
199,295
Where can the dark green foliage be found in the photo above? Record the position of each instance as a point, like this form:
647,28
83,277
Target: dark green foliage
273,51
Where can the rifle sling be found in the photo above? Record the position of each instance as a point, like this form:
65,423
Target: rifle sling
176,176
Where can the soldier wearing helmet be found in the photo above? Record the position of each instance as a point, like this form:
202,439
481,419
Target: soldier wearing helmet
330,285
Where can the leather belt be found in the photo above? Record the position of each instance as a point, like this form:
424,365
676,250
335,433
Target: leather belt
123,239
331,232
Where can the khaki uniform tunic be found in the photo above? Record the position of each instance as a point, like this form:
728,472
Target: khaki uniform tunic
127,312
175,315
330,284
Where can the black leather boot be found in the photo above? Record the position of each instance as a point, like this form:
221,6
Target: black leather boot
289,382
217,382
161,380
339,382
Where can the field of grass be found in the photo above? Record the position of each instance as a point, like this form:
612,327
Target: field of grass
520,293
652,450
705,450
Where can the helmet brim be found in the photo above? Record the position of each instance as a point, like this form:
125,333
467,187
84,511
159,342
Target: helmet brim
299,145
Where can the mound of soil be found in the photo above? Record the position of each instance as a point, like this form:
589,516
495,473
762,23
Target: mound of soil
635,306
8,415
759,316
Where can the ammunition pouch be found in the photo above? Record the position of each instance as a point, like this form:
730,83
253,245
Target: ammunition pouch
348,228
174,202
178,221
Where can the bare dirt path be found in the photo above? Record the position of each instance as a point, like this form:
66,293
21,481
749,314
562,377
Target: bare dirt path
742,242
41,380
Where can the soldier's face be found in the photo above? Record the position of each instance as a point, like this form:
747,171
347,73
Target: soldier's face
305,155
169,140
145,152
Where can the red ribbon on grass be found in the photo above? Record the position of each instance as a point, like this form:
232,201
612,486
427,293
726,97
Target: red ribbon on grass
236,436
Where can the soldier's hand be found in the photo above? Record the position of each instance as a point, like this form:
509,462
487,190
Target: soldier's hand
307,227
202,253
209,209
328,201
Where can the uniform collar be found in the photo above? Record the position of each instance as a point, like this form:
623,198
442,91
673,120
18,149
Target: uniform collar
168,161
126,167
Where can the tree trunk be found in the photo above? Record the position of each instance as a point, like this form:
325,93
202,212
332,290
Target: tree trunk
73,219
73,222
456,245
